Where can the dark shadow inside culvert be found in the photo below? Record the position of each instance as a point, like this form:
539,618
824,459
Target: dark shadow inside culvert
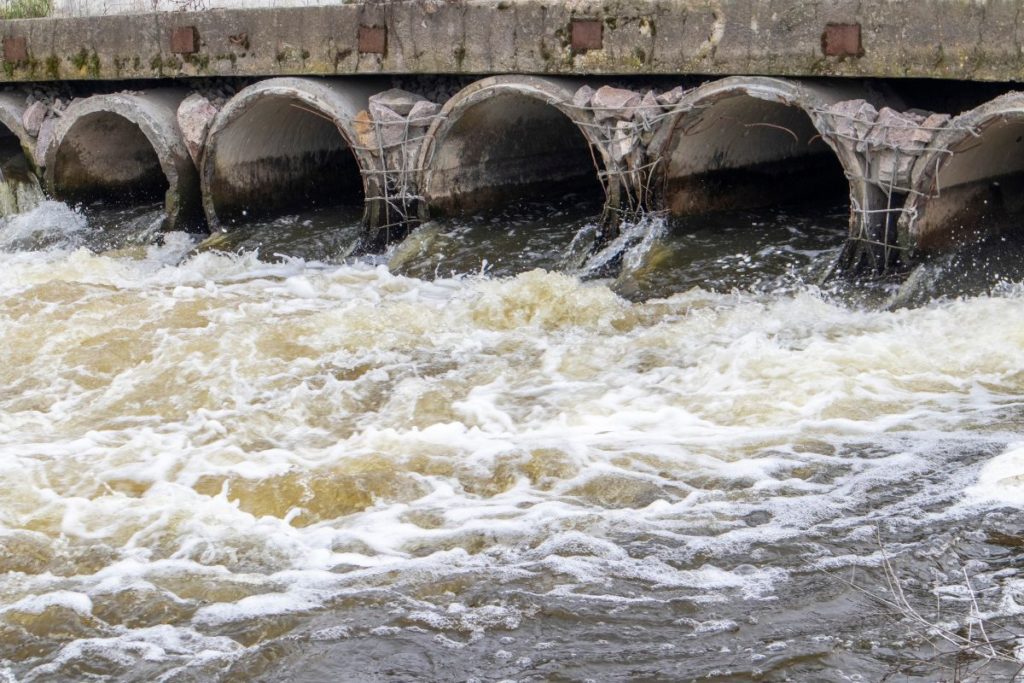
977,189
506,149
743,152
107,157
280,156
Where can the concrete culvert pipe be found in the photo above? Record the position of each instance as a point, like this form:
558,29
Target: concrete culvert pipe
19,183
970,184
509,137
14,138
288,144
746,142
125,148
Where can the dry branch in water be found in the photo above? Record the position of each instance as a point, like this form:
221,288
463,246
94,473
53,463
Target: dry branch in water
975,645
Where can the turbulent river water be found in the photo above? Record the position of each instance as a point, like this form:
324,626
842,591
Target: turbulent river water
487,455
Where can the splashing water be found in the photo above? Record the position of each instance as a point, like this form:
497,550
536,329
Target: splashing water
518,238
242,467
50,225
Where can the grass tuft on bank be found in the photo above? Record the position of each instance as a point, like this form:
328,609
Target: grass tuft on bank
24,9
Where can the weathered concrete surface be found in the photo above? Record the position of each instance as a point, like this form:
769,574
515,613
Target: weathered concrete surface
970,182
126,148
979,40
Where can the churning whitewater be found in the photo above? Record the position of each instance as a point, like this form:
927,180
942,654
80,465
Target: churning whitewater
242,467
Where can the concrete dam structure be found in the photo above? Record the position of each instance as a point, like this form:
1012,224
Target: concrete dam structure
677,108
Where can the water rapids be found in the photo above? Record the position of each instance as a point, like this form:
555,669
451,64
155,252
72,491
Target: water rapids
227,461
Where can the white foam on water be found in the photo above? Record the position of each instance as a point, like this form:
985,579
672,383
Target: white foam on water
36,604
48,225
273,437
1001,479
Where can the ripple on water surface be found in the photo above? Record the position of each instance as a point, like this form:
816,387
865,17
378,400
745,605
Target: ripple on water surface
221,467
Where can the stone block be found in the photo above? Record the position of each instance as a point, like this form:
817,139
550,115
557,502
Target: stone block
33,117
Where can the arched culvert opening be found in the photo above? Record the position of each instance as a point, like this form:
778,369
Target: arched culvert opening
106,157
285,146
743,143
19,184
125,150
506,139
755,184
970,184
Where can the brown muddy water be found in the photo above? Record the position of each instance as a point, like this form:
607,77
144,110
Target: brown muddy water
262,459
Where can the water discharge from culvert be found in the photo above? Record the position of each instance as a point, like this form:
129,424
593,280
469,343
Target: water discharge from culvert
236,465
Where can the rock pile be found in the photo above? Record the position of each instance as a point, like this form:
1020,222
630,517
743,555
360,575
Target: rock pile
45,106
393,130
628,118
396,121
891,141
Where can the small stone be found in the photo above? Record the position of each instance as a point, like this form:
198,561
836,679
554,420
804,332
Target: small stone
671,98
399,101
624,140
852,120
891,168
582,97
614,103
895,130
423,113
392,127
33,117
195,114
934,122
648,111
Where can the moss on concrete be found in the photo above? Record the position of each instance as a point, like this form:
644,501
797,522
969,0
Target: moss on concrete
53,67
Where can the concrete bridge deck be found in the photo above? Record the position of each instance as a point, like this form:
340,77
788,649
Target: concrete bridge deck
948,39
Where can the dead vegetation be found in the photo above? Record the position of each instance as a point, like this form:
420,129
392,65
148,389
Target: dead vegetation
967,645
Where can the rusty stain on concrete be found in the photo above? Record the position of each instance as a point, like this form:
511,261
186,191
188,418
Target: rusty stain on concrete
15,49
373,40
586,34
184,40
842,40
